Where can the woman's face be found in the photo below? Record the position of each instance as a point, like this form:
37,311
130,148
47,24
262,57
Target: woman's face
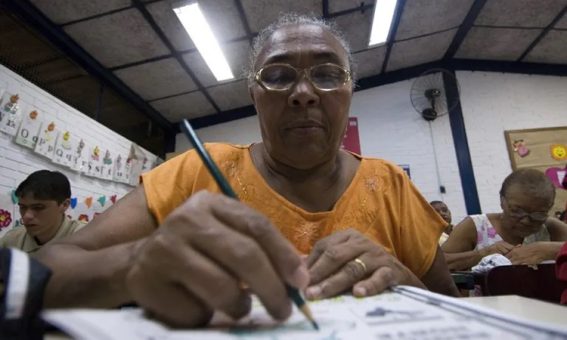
523,214
302,127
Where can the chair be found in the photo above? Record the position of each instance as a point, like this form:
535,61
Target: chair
523,280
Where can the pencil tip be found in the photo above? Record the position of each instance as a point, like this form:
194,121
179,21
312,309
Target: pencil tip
315,325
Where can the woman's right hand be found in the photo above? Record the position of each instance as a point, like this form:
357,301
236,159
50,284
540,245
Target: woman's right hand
196,262
500,247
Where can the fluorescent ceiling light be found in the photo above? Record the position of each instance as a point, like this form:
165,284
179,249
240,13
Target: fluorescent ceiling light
382,21
200,32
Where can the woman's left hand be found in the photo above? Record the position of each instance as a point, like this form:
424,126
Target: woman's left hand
529,254
349,260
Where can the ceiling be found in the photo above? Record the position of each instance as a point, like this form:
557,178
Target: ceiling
131,63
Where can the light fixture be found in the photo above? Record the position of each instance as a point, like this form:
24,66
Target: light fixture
200,32
382,21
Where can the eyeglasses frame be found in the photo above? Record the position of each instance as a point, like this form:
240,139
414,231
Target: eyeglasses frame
299,71
524,214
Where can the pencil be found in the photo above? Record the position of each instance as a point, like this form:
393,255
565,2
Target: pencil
292,292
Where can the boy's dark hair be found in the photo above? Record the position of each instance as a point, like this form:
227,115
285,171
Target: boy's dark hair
46,185
436,202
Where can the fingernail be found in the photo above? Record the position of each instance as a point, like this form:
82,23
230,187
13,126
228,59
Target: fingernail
313,292
300,277
359,291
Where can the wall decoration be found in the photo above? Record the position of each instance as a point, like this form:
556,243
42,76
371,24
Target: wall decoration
106,167
119,173
7,210
89,201
80,157
351,140
65,146
547,153
521,148
559,152
73,202
101,200
45,145
556,175
29,130
94,167
10,115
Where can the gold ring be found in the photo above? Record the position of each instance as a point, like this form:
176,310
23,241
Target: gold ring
361,263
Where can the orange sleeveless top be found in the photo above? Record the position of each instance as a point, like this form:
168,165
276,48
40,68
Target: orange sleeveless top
381,202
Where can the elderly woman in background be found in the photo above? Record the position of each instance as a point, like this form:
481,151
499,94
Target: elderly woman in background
181,250
523,231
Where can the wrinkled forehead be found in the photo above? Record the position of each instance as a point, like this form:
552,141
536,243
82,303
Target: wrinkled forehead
301,46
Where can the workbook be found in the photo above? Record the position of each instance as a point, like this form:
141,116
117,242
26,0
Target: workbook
402,313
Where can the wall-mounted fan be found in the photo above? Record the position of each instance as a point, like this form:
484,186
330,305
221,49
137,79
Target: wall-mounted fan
428,94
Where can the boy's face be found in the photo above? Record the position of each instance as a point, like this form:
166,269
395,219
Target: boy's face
41,217
443,211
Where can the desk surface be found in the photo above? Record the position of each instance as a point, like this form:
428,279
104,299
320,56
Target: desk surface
523,307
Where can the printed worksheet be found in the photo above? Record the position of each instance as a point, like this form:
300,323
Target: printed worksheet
405,313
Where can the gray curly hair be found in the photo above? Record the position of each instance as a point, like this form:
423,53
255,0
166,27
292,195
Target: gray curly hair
294,19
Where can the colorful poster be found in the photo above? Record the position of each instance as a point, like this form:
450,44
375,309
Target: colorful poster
10,114
80,157
107,167
351,141
65,146
119,169
29,130
45,145
94,167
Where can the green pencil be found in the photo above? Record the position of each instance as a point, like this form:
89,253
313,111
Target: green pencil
292,292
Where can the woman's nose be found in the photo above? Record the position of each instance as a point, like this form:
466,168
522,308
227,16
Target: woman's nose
303,94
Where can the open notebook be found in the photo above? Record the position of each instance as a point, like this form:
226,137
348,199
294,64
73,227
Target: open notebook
405,313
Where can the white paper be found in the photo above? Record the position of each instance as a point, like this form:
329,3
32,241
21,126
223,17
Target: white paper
94,166
80,157
29,129
65,146
45,145
107,166
407,313
10,114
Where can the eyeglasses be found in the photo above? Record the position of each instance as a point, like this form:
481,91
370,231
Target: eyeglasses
519,214
282,77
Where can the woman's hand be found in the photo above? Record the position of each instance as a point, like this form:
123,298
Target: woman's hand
349,260
500,247
528,254
199,258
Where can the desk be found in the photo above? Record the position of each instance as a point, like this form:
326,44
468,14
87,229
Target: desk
523,307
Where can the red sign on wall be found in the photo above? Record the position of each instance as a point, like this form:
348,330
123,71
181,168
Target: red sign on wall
351,142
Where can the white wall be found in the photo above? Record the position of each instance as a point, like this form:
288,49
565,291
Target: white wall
17,162
241,131
495,102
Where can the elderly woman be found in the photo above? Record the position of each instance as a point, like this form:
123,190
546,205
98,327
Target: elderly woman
523,231
181,250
